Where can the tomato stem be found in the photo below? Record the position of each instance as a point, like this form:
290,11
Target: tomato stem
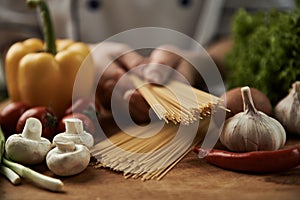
48,29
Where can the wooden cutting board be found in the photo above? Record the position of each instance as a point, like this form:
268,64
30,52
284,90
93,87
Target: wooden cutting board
191,178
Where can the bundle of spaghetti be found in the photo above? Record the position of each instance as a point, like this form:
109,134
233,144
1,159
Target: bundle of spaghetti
176,101
147,158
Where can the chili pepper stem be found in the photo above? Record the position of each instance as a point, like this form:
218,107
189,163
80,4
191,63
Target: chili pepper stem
41,180
48,29
200,152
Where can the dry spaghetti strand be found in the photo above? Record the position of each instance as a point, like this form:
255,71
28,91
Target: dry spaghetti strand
147,158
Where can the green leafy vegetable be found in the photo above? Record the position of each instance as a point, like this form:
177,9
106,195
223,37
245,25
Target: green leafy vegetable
266,51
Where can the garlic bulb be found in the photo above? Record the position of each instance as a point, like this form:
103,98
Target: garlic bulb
287,111
252,130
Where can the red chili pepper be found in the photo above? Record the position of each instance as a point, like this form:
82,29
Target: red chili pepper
255,161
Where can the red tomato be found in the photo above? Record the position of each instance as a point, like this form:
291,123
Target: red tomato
88,124
47,118
9,116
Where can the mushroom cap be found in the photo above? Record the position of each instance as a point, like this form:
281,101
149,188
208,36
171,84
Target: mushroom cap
68,163
27,151
84,138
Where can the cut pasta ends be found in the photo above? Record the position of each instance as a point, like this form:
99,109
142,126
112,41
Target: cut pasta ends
177,102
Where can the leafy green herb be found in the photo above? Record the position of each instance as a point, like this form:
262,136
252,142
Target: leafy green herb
266,51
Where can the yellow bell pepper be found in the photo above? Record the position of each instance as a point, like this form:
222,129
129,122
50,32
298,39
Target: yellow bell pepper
44,74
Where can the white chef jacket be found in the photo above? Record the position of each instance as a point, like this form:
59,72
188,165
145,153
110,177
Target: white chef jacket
97,20
202,20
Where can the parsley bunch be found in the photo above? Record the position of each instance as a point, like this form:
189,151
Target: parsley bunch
266,51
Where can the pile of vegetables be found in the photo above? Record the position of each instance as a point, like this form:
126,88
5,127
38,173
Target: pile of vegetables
254,139
32,132
14,115
266,51
265,57
39,124
45,73
14,171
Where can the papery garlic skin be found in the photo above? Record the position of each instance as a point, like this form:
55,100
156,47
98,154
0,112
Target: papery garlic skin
252,130
287,111
244,132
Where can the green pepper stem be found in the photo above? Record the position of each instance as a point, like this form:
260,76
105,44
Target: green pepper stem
48,29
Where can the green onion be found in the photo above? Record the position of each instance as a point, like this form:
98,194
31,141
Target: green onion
41,180
10,175
7,172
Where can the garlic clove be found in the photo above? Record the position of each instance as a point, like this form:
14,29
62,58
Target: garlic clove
287,110
252,130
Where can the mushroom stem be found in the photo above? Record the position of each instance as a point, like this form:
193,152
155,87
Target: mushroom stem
75,132
32,129
66,146
74,126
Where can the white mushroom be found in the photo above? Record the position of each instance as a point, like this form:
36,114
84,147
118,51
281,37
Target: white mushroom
68,158
28,147
74,132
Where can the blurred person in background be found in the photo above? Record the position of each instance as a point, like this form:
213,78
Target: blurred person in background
93,21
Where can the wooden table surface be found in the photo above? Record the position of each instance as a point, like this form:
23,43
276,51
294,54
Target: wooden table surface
191,178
